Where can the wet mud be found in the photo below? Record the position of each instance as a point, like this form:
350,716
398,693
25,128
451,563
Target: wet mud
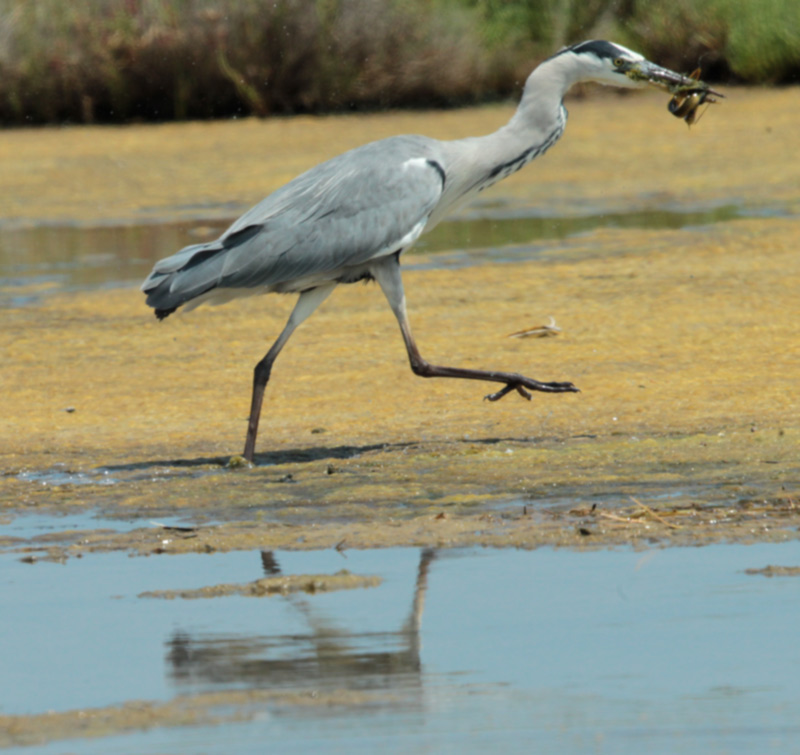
283,585
682,342
207,709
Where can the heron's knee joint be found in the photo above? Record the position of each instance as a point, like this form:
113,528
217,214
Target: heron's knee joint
261,373
421,368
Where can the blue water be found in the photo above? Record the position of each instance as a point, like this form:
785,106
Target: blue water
602,651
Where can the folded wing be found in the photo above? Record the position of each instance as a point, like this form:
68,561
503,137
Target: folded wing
323,225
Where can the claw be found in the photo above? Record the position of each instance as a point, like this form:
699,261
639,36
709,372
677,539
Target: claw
502,392
505,390
564,387
521,389
522,392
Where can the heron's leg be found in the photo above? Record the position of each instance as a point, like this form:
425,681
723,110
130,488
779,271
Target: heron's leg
306,304
387,273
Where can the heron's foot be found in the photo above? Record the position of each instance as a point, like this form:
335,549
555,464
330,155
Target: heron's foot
534,385
507,389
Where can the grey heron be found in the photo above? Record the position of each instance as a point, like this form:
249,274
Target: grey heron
350,218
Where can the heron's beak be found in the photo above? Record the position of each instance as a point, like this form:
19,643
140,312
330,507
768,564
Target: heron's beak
675,83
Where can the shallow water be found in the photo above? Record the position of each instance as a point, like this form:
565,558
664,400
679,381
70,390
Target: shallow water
45,259
615,651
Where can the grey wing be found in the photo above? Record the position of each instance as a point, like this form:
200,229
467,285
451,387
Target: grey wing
372,201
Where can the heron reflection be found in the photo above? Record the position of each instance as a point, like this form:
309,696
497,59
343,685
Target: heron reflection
326,656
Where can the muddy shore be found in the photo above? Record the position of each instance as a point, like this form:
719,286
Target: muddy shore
682,342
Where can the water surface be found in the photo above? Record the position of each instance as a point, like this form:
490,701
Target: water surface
614,651
44,258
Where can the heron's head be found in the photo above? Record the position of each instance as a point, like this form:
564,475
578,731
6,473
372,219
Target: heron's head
615,65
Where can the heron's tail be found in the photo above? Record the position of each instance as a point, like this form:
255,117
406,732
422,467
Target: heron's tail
191,272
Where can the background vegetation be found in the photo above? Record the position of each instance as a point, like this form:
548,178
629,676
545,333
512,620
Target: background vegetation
118,60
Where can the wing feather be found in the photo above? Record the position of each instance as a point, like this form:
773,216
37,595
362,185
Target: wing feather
368,202
341,214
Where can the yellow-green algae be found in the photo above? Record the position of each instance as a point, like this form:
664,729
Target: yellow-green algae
615,150
683,343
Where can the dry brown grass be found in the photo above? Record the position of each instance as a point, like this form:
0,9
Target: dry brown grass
122,60
152,59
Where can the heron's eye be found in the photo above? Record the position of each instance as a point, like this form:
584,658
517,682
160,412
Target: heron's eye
618,62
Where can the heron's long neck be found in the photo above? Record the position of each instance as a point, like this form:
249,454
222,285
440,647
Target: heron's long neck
543,94
538,123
